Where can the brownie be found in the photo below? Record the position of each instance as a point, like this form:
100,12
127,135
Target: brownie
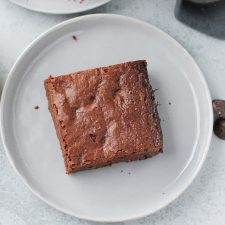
105,115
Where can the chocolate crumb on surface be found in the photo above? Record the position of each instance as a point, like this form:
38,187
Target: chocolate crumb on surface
36,107
121,171
74,37
81,1
170,103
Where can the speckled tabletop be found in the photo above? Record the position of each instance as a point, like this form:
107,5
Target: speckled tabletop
204,201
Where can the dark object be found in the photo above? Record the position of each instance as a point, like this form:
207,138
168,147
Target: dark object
219,128
219,108
203,1
219,112
36,107
119,119
74,38
208,19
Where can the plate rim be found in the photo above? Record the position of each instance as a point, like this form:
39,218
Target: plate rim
128,19
56,12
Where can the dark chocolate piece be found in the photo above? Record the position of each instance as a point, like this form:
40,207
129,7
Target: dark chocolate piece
219,128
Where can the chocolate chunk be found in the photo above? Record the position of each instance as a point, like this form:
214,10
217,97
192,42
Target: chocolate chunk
219,128
219,108
93,137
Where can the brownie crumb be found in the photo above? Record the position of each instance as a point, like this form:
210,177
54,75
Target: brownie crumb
74,38
36,107
121,171
157,104
170,103
163,120
129,173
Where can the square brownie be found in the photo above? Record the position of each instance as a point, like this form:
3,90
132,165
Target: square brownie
105,115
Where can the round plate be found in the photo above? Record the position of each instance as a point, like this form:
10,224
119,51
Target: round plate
123,191
60,6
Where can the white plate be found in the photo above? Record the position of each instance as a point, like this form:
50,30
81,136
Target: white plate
60,6
107,194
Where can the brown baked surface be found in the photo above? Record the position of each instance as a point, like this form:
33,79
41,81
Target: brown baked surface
105,115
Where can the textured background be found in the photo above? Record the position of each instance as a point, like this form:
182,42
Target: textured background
204,201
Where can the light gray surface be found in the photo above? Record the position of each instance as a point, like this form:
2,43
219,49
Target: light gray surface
204,201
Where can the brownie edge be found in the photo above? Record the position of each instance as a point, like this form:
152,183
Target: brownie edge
105,115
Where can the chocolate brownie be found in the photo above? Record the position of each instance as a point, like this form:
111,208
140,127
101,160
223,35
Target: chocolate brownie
105,115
